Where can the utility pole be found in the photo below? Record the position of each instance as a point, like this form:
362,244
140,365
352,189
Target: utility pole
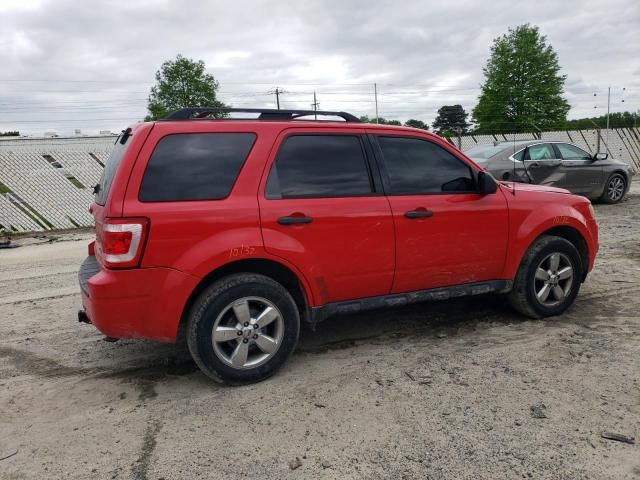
277,93
375,92
315,105
608,109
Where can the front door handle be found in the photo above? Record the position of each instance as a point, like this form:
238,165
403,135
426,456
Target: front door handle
294,220
421,213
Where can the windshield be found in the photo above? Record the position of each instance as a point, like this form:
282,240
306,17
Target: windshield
485,151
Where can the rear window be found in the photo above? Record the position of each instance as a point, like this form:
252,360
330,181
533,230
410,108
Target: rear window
319,166
485,151
195,166
104,185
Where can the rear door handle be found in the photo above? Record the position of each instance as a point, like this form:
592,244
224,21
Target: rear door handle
411,214
294,220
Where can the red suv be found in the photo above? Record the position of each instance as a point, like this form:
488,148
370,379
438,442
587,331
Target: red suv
239,229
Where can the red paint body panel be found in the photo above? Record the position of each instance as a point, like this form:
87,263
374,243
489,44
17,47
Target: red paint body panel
355,247
138,303
347,252
536,209
464,241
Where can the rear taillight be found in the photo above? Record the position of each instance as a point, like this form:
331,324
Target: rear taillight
122,241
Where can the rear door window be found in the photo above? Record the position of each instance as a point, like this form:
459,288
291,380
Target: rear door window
319,166
195,166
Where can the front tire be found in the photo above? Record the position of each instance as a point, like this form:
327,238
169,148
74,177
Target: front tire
548,279
243,328
614,189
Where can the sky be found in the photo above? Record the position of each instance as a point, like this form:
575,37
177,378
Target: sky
89,65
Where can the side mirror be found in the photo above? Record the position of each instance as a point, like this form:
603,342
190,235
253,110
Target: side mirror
600,156
486,183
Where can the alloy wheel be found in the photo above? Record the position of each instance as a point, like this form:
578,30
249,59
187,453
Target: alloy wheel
615,188
248,332
553,279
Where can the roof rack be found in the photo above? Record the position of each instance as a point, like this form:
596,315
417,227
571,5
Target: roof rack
265,113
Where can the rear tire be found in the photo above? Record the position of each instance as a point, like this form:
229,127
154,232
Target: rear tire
614,189
243,328
548,279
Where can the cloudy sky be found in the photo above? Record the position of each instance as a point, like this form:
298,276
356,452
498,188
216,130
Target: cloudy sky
89,64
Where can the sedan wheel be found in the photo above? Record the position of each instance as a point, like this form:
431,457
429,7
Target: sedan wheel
615,188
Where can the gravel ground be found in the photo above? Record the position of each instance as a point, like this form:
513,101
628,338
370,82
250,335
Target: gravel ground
458,389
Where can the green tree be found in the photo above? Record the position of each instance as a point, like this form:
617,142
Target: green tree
413,123
381,121
450,120
12,133
523,87
182,83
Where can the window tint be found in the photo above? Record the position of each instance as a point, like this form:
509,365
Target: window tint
319,166
418,166
571,152
195,166
104,185
543,151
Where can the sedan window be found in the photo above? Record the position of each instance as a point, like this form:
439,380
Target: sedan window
571,152
542,151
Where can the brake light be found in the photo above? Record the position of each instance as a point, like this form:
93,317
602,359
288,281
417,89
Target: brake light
122,241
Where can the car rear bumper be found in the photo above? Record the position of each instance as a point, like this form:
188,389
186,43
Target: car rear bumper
137,303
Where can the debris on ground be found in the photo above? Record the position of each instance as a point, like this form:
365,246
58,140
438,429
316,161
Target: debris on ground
8,244
9,456
618,437
297,463
538,410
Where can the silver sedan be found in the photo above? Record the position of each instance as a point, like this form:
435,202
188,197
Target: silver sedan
557,164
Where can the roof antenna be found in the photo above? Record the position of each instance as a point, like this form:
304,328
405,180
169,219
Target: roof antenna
513,156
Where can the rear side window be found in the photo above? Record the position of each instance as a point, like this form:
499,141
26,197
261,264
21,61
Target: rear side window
543,151
417,166
319,166
104,185
195,166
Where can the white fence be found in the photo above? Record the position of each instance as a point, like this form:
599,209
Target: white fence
46,183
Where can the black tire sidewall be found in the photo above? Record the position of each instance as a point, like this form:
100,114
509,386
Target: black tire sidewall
209,307
555,246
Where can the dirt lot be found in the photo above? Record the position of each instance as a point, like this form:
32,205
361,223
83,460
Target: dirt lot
437,391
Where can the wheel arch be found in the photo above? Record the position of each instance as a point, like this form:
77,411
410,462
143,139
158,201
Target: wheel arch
267,267
572,235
